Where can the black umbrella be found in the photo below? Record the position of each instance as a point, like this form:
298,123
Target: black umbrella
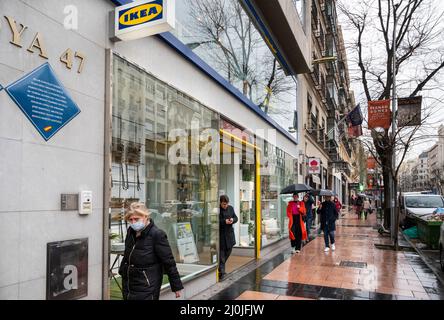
299,187
323,192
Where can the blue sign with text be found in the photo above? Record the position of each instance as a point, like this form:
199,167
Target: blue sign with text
44,100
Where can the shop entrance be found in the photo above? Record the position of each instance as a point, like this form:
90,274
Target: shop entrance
239,181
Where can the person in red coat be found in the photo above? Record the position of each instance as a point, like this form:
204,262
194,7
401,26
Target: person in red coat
296,226
338,204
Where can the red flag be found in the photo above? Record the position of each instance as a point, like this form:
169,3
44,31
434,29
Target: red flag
355,131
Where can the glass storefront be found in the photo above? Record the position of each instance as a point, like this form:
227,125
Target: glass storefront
150,119
159,135
276,173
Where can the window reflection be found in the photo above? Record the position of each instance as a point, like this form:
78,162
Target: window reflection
222,34
182,198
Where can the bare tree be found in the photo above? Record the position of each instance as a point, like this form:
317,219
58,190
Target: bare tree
239,52
225,24
419,61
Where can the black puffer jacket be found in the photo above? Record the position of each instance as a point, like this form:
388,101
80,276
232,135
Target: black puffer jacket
145,259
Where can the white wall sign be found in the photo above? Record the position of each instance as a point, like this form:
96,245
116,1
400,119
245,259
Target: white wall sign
143,18
316,179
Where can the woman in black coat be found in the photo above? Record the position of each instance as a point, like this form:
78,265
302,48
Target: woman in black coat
147,255
329,215
227,240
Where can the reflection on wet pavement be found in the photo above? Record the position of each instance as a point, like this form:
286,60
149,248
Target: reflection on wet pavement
355,270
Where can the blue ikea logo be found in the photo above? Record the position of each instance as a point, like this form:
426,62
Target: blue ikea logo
141,14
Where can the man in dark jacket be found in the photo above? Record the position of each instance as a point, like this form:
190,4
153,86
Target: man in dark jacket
227,240
308,201
329,215
359,205
147,255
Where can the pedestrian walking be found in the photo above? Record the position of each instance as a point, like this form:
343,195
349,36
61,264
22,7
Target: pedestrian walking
329,215
367,207
147,256
359,204
338,204
296,226
353,202
308,203
227,240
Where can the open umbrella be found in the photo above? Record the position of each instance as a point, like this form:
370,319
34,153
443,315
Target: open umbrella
323,192
299,187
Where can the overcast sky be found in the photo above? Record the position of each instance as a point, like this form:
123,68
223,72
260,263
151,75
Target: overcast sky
349,35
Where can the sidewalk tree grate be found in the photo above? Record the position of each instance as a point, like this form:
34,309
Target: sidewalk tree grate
353,264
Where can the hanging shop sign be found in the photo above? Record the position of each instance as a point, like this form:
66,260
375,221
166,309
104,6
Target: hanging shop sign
316,179
409,111
314,166
379,114
371,163
44,100
67,269
370,181
141,19
354,185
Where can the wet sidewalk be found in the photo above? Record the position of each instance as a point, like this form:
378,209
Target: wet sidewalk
356,270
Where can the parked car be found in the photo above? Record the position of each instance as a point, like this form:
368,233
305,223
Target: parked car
441,247
417,204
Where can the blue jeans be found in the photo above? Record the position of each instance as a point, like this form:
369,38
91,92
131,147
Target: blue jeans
308,224
327,234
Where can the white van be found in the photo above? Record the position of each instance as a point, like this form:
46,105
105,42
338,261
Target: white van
417,204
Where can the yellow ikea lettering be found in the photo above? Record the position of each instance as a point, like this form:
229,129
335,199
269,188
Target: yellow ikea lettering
140,14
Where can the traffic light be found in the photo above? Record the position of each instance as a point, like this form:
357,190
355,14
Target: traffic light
361,187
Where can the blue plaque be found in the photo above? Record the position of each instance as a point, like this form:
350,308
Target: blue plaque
44,100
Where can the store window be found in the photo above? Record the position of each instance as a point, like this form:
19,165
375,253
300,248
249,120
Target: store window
276,173
182,198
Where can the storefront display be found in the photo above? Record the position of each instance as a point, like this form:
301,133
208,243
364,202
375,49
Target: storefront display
276,173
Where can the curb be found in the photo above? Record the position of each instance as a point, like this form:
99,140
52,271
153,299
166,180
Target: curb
425,259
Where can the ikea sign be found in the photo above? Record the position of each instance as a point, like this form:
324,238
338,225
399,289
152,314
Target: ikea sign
140,19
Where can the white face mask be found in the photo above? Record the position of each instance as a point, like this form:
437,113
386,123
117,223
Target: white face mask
137,226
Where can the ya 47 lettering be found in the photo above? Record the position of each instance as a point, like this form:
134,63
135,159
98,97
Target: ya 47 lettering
38,44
